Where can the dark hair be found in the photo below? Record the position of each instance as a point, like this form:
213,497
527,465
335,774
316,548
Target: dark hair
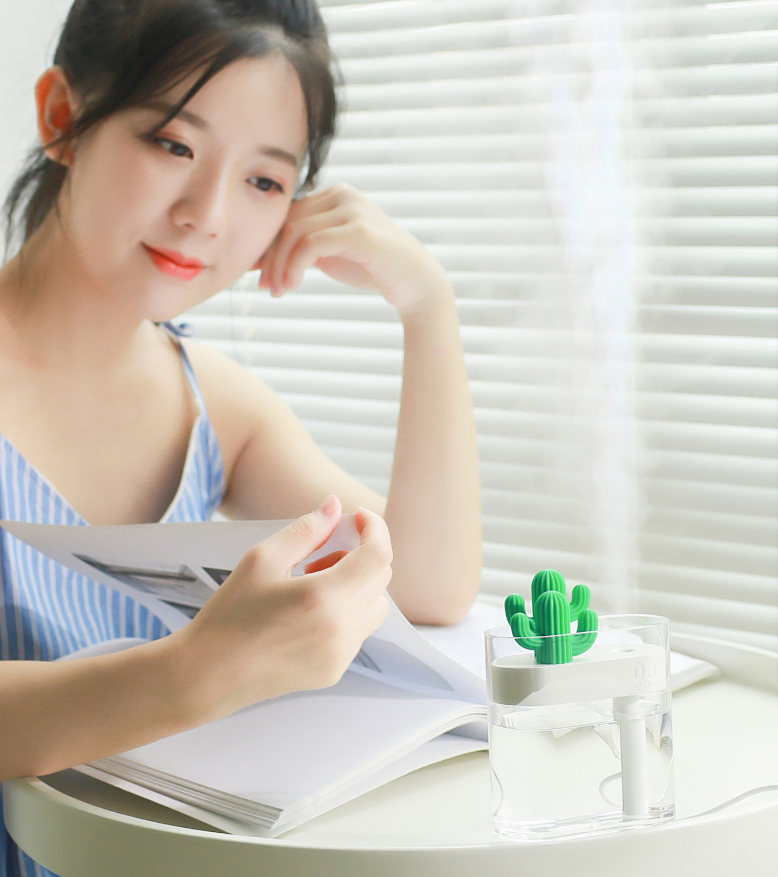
117,54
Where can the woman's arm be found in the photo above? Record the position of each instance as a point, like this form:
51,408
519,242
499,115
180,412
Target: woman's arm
434,506
262,634
54,715
275,469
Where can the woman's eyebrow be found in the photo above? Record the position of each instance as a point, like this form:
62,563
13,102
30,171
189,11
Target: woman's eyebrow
199,122
169,110
281,154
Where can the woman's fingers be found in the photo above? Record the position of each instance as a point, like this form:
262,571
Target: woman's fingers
276,260
275,633
276,556
356,243
370,562
327,243
334,206
297,210
324,562
321,202
366,568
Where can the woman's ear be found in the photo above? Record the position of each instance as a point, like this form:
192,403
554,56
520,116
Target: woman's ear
56,114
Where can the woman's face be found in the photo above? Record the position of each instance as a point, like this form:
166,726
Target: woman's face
165,221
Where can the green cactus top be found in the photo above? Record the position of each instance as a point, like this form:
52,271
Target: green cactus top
547,633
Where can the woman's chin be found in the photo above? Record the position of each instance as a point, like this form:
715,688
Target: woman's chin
161,302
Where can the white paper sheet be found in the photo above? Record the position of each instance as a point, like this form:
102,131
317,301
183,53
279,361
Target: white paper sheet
439,749
274,756
164,565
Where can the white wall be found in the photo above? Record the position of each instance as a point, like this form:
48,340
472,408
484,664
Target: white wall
28,34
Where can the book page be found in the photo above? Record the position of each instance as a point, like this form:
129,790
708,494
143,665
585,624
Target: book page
438,749
270,754
396,653
172,569
464,642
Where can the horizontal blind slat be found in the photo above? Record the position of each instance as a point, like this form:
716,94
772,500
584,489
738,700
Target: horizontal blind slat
689,408
715,201
411,28
713,468
757,79
677,143
728,201
680,494
702,349
736,440
760,618
654,62
714,380
759,322
717,584
707,526
756,292
657,113
527,560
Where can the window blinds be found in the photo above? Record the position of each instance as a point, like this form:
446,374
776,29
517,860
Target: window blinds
599,179
706,142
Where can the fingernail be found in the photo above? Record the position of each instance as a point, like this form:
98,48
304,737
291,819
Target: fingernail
329,506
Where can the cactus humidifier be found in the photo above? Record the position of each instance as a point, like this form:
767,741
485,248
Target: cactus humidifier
559,665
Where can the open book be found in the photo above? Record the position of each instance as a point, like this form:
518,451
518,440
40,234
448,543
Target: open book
412,696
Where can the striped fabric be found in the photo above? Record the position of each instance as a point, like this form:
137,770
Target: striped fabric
47,610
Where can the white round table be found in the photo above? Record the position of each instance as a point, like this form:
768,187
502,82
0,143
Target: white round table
436,822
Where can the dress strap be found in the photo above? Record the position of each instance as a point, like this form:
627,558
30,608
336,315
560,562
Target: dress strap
182,330
177,332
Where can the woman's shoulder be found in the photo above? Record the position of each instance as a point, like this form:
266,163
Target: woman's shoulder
239,403
222,377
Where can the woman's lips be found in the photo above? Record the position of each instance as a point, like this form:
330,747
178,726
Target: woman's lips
175,264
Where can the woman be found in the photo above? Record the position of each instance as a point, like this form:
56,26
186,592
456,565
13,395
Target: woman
177,139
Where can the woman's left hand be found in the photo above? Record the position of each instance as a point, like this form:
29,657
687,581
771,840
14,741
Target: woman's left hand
348,237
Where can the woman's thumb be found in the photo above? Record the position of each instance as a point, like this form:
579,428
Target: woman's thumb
285,549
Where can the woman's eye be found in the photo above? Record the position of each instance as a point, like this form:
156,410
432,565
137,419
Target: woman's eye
265,184
174,148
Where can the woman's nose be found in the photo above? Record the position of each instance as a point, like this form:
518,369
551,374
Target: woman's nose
202,205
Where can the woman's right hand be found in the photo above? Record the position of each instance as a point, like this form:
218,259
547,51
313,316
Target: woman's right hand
265,632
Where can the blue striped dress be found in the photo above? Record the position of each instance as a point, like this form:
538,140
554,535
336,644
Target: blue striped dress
46,610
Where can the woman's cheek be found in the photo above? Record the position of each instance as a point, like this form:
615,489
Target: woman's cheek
259,230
